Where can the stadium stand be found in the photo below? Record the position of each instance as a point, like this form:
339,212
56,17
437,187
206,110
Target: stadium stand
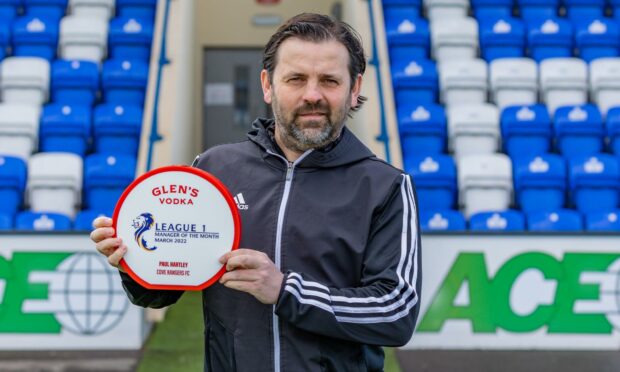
603,221
509,220
9,9
463,81
446,9
65,128
414,81
549,38
48,8
501,37
473,129
144,9
513,81
130,38
526,130
124,81
563,82
102,9
19,130
537,9
485,183
422,130
105,179
597,38
594,182
83,38
74,82
604,76
42,221
578,130
454,38
35,36
435,181
24,80
408,36
12,184
540,182
446,220
117,129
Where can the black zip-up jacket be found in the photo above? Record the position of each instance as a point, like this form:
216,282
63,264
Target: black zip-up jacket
342,225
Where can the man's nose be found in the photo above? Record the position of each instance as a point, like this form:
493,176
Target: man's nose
312,93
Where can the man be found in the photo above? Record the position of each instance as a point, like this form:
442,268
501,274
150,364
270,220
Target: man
331,271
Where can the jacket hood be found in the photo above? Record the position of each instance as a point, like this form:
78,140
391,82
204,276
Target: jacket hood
348,150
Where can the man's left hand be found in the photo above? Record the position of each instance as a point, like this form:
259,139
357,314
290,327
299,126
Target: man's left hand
252,272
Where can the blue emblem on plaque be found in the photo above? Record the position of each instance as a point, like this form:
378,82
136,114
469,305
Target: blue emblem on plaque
142,224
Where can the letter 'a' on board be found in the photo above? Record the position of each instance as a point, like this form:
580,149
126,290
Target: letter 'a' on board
176,221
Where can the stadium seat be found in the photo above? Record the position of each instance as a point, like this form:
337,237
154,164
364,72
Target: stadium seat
106,177
12,184
549,38
124,82
513,81
597,38
583,10
485,183
83,38
603,221
6,222
594,182
147,8
558,220
492,8
578,130
446,9
407,38
526,130
446,220
55,183
473,129
540,182
48,8
605,83
501,38
42,221
509,220
25,80
8,10
65,128
435,180
463,82
102,9
5,38
414,81
538,9
117,129
19,130
454,39
563,82
75,82
84,219
422,130
35,36
613,129
130,38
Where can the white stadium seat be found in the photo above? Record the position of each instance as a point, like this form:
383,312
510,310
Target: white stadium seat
473,129
463,81
454,39
25,80
485,183
605,83
83,38
444,9
514,81
19,129
563,82
55,183
103,9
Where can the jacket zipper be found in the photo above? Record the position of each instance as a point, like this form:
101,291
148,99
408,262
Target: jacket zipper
290,169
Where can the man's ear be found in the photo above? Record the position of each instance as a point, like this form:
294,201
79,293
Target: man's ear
266,85
356,90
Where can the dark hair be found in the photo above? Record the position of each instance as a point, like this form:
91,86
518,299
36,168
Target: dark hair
318,28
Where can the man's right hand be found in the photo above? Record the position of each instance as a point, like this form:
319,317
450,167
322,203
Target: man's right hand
113,248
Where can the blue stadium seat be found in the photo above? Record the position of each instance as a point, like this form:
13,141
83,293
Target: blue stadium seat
84,219
526,130
414,81
613,129
603,221
124,82
537,9
41,221
581,10
117,129
540,182
509,220
74,82
615,7
105,179
5,38
444,220
130,38
35,36
65,128
578,130
397,8
501,38
49,8
13,173
422,129
597,38
6,221
594,182
549,38
407,38
558,220
137,8
435,180
8,9
492,8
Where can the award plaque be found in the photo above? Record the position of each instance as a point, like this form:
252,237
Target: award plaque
177,222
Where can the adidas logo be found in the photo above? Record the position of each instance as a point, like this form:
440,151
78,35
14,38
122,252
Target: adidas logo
240,202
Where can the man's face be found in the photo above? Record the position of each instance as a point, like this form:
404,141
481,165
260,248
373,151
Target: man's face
310,92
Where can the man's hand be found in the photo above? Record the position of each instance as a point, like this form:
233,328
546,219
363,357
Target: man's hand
252,272
113,248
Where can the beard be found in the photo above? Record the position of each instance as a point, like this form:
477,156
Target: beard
300,134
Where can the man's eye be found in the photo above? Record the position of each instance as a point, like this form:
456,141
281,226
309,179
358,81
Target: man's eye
331,82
